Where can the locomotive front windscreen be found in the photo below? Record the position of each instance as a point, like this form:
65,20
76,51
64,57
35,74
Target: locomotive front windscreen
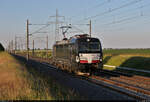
89,46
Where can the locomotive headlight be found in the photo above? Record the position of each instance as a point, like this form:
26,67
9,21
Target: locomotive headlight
77,59
88,40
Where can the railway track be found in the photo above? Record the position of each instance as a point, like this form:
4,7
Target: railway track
138,84
133,86
125,88
138,81
130,90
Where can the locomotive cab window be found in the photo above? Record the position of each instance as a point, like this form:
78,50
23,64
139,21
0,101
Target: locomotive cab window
89,46
94,46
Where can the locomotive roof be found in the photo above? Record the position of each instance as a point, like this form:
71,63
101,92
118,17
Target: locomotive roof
74,38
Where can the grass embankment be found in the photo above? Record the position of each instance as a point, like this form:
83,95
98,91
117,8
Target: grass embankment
19,82
132,58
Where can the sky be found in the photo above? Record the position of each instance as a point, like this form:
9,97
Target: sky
117,23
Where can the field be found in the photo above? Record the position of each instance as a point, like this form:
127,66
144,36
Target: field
37,53
19,81
132,58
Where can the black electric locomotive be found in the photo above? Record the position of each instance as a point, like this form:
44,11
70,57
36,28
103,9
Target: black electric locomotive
80,53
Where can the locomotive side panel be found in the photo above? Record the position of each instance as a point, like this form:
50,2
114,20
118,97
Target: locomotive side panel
62,56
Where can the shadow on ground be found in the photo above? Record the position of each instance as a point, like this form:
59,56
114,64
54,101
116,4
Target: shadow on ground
142,63
107,58
137,62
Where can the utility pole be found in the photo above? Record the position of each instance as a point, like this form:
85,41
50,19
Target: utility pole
19,46
9,46
90,28
33,49
47,47
12,47
27,53
15,44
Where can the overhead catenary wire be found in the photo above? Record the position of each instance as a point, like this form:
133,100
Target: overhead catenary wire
130,21
123,20
101,4
120,13
126,19
77,29
46,25
132,18
112,10
93,7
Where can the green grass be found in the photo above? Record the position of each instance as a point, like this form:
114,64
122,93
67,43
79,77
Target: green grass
131,61
19,81
132,58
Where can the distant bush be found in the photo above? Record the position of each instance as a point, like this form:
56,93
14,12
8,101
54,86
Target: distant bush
1,47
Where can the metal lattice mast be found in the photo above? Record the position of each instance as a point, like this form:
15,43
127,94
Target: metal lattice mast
57,22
